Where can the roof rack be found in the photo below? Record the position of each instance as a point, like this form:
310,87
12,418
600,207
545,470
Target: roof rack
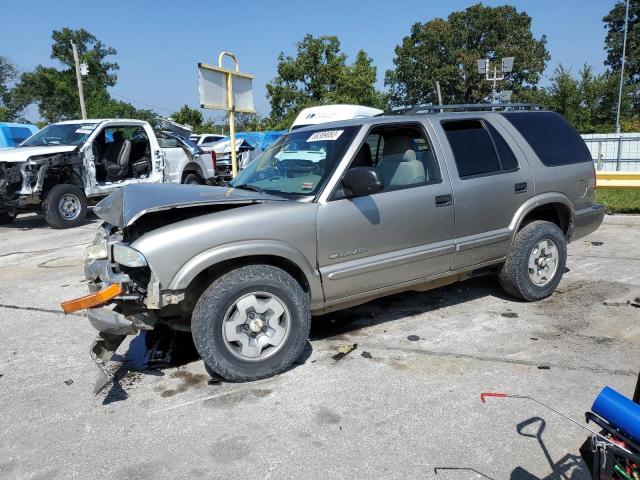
465,107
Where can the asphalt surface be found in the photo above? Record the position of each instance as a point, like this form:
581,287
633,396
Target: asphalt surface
404,404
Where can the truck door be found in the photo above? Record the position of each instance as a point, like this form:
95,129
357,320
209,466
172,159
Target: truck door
401,234
491,179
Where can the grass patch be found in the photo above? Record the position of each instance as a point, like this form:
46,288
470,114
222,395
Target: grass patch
619,200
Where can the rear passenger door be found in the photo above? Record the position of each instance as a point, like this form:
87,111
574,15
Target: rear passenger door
398,235
491,179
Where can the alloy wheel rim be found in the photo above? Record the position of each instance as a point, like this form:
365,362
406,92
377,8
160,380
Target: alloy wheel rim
543,262
256,326
69,206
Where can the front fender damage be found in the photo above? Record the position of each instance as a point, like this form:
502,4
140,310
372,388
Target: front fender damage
23,183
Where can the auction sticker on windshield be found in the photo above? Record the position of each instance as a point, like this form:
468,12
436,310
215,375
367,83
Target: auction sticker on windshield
324,136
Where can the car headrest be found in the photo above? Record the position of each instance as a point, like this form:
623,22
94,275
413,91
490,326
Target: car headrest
395,145
118,136
363,157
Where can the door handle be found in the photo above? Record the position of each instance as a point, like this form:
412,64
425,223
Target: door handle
444,200
521,187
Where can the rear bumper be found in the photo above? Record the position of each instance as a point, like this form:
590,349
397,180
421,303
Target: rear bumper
587,220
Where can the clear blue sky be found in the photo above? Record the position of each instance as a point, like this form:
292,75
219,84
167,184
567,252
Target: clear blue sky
160,42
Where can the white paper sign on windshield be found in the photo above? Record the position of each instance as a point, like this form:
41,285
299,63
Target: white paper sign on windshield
327,135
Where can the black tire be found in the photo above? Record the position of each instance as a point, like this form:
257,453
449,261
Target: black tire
192,179
514,275
7,217
209,312
52,210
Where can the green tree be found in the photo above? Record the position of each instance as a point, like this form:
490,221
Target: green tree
614,24
188,116
55,90
447,50
587,101
319,74
8,73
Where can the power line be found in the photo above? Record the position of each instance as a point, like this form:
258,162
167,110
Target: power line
155,107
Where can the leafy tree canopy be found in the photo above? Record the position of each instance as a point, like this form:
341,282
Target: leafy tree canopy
319,74
447,50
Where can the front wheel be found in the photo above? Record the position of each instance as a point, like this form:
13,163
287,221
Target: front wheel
535,265
251,323
7,217
65,206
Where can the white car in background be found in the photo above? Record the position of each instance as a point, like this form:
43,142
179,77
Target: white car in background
68,165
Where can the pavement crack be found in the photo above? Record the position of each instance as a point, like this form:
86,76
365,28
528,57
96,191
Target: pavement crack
511,361
26,252
38,309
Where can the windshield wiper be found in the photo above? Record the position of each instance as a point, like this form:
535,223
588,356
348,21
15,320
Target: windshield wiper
253,188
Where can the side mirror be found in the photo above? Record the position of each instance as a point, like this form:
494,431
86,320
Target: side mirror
361,181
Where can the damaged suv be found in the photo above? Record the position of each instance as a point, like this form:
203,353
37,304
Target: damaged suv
334,215
67,165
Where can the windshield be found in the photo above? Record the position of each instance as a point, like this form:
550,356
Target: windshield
297,163
61,134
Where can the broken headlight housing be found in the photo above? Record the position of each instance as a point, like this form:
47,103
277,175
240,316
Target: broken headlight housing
97,251
128,256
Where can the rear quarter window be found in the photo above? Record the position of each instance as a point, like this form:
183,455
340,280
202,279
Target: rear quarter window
551,137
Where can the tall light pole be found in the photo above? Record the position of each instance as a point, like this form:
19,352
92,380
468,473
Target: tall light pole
624,52
484,68
83,109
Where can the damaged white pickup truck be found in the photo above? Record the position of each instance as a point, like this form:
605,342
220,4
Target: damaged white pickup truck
69,165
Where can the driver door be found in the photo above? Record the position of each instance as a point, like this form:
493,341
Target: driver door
401,234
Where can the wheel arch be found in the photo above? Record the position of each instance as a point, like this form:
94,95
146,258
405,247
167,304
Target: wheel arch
191,167
552,207
213,263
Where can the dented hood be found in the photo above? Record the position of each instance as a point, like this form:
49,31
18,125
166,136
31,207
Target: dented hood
22,154
126,205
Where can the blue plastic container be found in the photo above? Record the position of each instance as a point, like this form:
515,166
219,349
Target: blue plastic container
619,411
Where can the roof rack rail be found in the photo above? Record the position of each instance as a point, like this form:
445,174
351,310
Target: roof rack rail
465,107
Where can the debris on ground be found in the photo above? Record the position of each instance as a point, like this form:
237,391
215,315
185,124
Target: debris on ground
68,382
635,303
366,354
597,244
413,338
344,350
544,367
214,381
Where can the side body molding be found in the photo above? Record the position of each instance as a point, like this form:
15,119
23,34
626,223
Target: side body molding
230,251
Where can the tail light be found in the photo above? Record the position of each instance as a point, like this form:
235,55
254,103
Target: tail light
214,160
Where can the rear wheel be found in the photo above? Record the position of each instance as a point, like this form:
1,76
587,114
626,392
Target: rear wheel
535,265
65,206
192,179
251,323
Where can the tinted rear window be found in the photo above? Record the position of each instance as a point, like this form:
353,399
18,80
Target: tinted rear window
551,137
472,147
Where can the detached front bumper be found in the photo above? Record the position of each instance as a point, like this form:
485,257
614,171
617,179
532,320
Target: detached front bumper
107,286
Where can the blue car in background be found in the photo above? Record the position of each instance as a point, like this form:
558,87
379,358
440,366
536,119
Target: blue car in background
13,134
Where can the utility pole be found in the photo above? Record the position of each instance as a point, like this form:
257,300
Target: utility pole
439,94
624,52
83,109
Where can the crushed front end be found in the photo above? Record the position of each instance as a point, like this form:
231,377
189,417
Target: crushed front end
120,302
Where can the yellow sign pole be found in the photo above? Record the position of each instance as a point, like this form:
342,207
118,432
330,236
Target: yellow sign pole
211,88
232,113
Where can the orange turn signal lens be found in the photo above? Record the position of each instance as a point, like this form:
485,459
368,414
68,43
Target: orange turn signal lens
93,299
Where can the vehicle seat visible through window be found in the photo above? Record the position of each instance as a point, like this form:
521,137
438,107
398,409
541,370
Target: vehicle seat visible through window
399,165
117,157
